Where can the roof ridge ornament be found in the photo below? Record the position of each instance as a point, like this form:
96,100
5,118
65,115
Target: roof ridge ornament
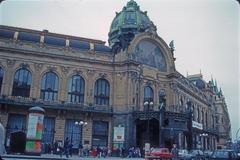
172,48
132,4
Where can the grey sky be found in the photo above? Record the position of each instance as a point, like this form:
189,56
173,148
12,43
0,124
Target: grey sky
206,32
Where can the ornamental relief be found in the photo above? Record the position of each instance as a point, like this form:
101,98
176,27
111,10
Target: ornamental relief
64,69
24,65
10,62
52,68
90,72
38,66
102,75
77,71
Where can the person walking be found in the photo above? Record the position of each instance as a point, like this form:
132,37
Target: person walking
66,147
2,148
80,150
174,152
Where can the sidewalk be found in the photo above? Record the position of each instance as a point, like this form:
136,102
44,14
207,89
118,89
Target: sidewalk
57,157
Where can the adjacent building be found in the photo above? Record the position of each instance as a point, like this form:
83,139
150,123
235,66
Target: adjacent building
121,95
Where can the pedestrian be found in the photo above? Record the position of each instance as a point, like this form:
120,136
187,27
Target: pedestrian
70,148
60,149
66,147
99,152
80,150
2,148
55,147
122,152
174,152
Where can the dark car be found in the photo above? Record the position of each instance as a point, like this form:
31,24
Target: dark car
224,154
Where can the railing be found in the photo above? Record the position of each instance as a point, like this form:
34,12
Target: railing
30,102
177,109
210,130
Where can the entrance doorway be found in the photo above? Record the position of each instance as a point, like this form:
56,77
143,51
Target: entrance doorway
168,142
142,135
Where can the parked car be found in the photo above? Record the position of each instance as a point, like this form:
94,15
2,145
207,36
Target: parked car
197,154
184,155
224,154
158,153
207,154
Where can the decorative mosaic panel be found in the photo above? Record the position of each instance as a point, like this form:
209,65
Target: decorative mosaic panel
150,54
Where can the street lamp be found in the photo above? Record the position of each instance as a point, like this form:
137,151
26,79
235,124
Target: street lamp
81,123
147,106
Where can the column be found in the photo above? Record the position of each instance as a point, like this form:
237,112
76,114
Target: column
59,128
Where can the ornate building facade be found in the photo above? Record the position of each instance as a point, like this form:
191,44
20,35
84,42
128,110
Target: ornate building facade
125,92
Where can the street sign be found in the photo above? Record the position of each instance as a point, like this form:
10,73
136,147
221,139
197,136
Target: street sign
197,125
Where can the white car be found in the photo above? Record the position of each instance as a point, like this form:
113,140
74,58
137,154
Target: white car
183,154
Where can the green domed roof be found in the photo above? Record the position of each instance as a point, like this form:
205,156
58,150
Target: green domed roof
130,21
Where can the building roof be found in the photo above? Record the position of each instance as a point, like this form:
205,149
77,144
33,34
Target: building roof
53,39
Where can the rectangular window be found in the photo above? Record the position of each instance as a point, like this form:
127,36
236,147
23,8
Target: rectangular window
48,130
73,132
100,133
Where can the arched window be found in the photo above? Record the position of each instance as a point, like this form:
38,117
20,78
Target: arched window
148,94
22,83
1,78
76,88
162,98
101,92
49,86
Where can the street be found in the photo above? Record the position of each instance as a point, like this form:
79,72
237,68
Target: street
57,157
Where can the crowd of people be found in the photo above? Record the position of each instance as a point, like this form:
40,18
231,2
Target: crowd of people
65,148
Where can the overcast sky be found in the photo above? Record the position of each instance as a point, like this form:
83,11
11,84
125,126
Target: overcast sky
206,32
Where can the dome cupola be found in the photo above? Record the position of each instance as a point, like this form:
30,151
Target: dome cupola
126,24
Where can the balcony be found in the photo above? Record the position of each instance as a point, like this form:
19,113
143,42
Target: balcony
28,102
210,130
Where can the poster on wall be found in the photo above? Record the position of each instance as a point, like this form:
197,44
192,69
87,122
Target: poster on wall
35,126
118,134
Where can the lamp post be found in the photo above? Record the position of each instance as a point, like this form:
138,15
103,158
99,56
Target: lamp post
80,124
204,135
147,105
